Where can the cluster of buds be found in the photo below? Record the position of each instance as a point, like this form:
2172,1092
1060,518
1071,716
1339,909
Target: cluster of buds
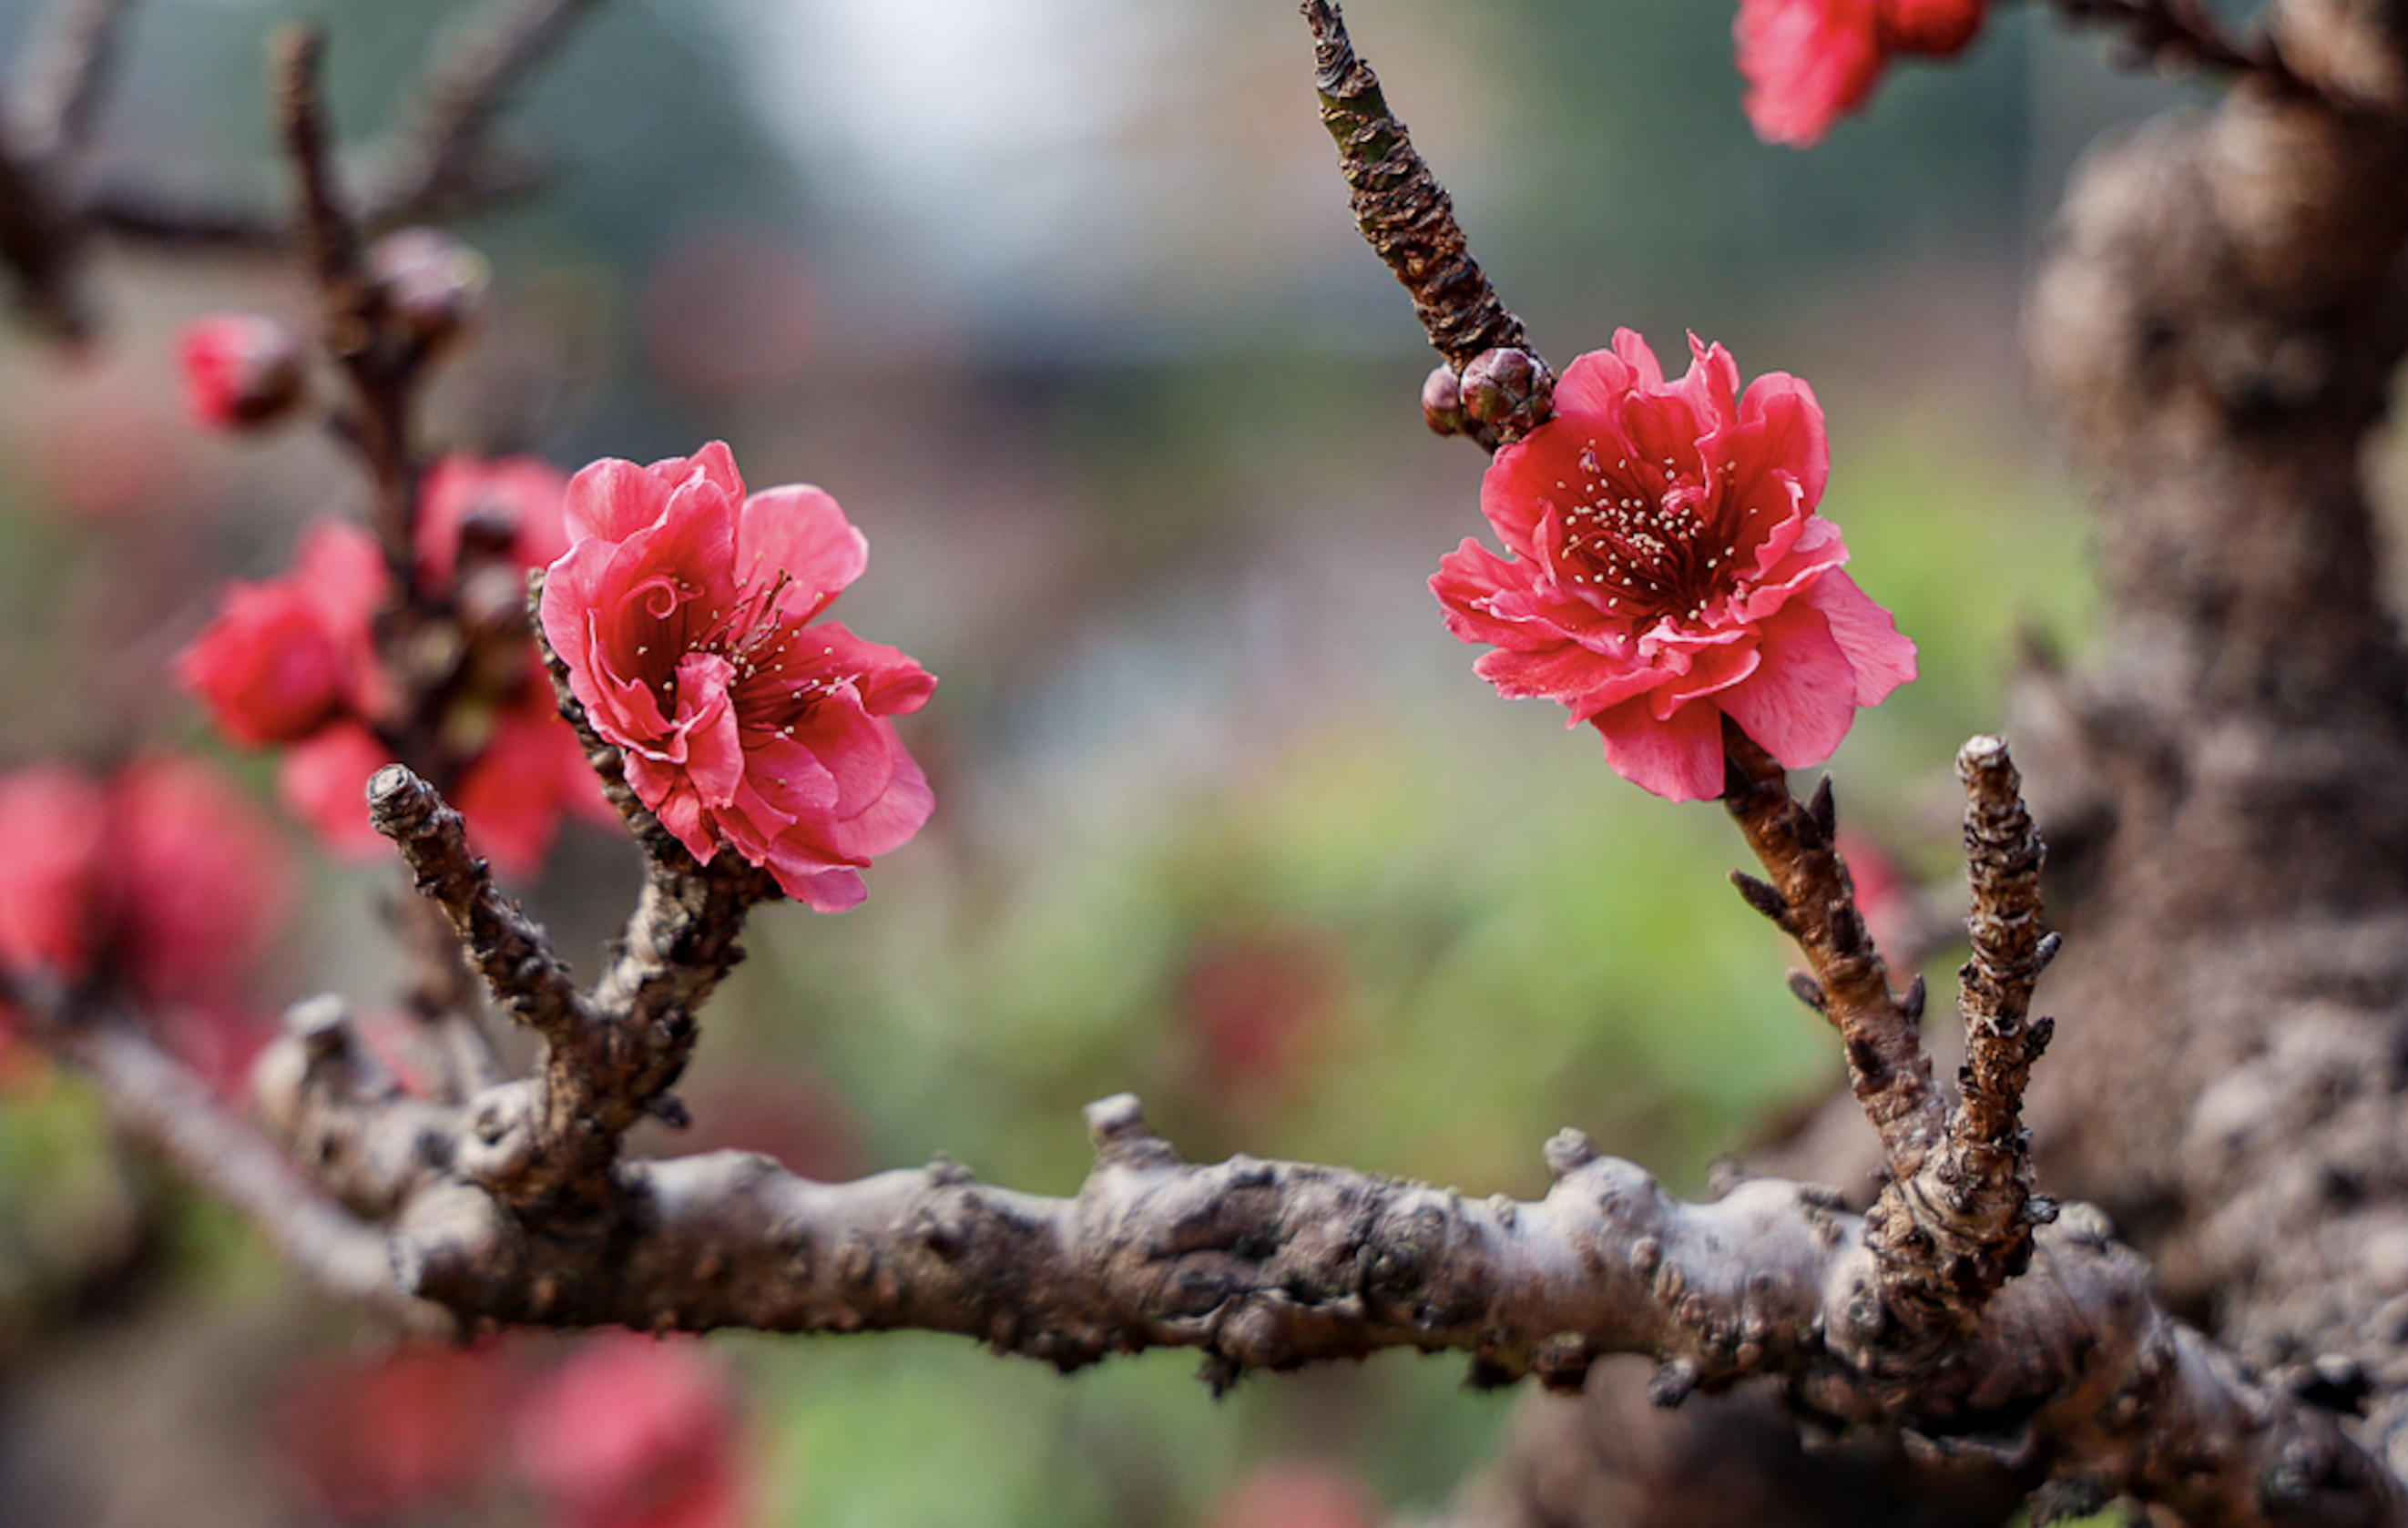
248,371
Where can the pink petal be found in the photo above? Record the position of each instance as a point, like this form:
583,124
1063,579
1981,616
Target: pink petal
1800,702
890,681
714,464
325,781
1881,657
1679,758
1595,383
799,530
612,500
900,810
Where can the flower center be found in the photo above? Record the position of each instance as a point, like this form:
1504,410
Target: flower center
1645,542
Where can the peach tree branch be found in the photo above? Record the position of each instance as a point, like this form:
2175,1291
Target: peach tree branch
1268,1266
157,1100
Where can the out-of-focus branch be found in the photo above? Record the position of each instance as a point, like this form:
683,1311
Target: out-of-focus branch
160,1103
440,160
42,247
65,72
445,999
380,361
2183,32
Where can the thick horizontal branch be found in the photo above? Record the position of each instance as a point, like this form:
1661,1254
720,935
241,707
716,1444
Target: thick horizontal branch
1268,1266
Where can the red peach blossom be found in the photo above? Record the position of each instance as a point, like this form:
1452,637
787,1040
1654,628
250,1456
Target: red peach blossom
202,878
633,1431
683,610
1809,62
285,657
530,769
241,370
1667,569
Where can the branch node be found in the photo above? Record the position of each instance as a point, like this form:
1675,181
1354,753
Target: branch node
1761,895
1117,1127
1568,1150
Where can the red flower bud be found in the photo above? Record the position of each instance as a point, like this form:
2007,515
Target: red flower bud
241,370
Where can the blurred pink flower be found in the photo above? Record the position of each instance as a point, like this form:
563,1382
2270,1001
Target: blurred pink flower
293,661
633,1431
1809,62
1665,568
419,1424
513,504
53,840
1296,1493
162,883
241,370
683,610
286,657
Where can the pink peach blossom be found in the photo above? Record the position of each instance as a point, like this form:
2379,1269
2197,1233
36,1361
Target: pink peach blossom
1809,62
285,657
163,882
686,612
293,661
633,1431
1666,569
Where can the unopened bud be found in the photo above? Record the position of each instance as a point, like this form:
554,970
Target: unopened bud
1443,401
242,370
433,284
1507,388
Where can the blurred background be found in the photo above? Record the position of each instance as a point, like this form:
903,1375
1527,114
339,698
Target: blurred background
1061,299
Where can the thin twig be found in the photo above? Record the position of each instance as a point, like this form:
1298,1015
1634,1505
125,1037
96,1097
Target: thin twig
66,74
1811,899
440,160
1408,220
513,954
382,363
161,1104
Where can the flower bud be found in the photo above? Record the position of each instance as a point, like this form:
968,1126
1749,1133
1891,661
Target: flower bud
241,370
433,284
1507,388
1935,27
1443,401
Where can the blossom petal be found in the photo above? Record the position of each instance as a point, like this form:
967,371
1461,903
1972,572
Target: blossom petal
1883,658
1801,699
798,531
1679,757
611,500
